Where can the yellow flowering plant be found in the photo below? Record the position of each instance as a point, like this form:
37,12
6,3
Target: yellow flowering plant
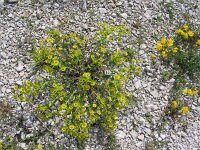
84,79
181,53
183,50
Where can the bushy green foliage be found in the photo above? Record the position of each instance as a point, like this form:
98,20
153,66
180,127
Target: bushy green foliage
80,80
9,143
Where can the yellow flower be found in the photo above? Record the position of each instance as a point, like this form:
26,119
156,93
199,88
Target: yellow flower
174,104
195,91
184,109
86,75
93,83
55,84
163,41
78,116
133,61
76,104
103,50
175,49
169,42
55,62
64,129
153,56
117,77
71,127
84,125
198,42
190,33
39,146
50,56
185,27
189,92
91,112
164,54
63,106
94,105
125,54
185,91
185,35
159,46
179,31
63,68
98,112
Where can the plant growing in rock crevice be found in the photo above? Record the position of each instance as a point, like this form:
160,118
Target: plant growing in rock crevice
79,81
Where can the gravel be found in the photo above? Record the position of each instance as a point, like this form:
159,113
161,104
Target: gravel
141,125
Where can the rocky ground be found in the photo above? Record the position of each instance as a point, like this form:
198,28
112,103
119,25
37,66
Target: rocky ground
142,125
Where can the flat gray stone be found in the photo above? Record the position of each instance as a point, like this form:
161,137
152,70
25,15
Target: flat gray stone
1,2
20,67
120,135
141,137
102,10
124,15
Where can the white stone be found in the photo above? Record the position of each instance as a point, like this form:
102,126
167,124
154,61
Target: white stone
148,131
138,144
92,28
56,23
19,82
20,67
23,145
4,55
1,2
138,84
102,10
161,87
143,46
84,5
171,80
155,94
1,83
141,137
23,136
134,134
8,91
85,26
120,135
124,15
119,4
162,136
76,17
199,100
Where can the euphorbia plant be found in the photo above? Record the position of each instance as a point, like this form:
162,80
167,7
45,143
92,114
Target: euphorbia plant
81,81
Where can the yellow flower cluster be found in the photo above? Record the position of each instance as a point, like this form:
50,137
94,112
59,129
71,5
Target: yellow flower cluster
185,109
197,43
175,50
163,46
191,92
185,32
174,104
